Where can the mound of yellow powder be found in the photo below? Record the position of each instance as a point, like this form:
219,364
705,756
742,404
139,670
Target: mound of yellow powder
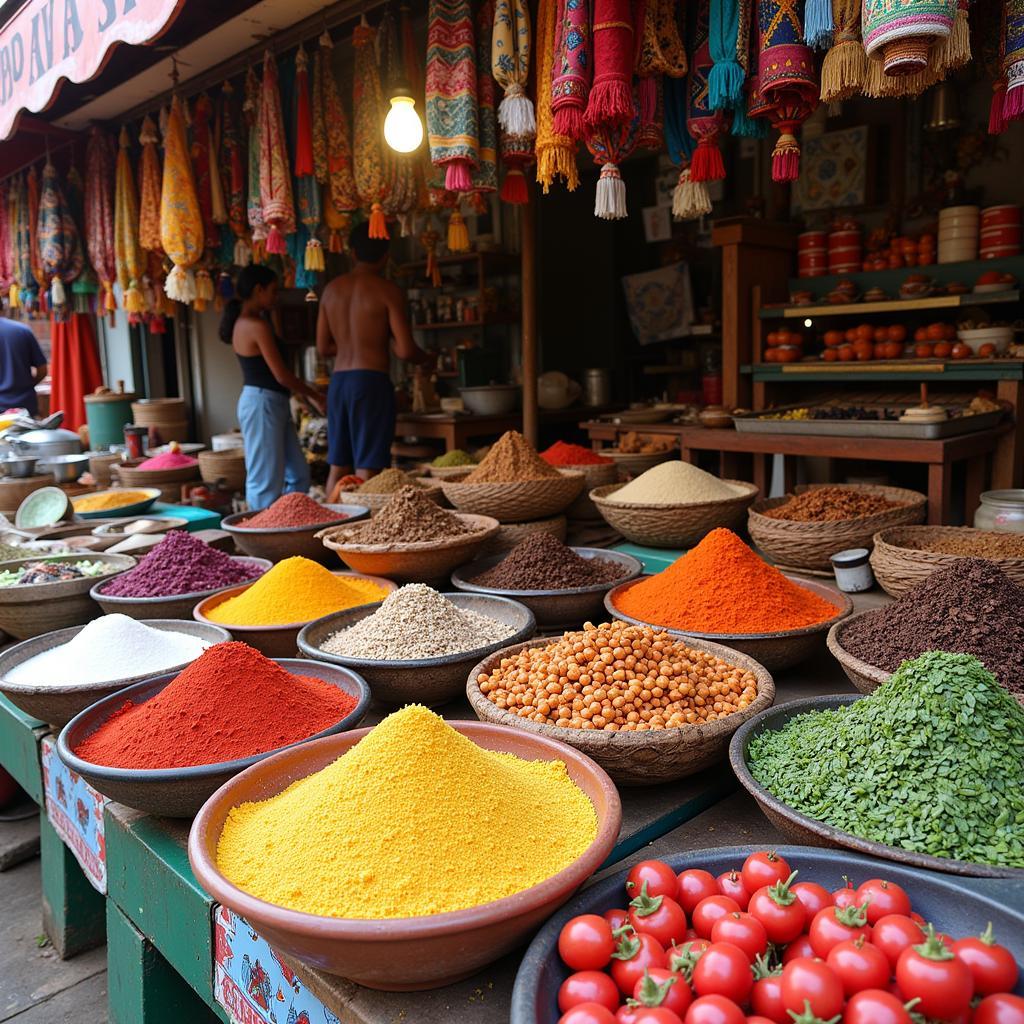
295,590
415,819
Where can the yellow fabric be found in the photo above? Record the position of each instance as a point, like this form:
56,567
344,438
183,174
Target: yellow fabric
181,223
127,254
556,154
150,184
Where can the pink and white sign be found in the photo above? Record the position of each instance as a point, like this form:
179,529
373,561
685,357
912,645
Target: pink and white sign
51,40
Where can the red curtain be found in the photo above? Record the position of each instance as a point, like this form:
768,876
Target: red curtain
74,366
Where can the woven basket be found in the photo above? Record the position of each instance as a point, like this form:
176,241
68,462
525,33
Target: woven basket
864,677
636,758
511,534
169,481
447,472
375,502
809,545
632,464
672,526
900,567
516,501
100,464
227,465
596,475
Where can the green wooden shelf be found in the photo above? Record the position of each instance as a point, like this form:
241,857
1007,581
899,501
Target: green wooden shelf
889,305
933,369
890,280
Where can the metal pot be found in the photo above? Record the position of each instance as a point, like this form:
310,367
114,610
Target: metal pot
18,466
41,443
65,468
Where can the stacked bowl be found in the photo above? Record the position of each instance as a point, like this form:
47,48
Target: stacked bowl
1000,231
958,234
811,259
844,251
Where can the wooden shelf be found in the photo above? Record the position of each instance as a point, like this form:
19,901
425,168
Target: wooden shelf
890,305
503,259
890,370
468,324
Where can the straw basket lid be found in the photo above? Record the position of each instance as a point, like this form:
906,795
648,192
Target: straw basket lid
864,677
519,500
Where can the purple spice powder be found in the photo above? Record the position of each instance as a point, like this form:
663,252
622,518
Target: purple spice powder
181,564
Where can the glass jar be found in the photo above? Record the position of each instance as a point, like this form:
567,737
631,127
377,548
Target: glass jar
1002,511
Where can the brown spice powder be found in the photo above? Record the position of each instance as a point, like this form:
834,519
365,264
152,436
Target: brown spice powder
409,518
831,504
511,458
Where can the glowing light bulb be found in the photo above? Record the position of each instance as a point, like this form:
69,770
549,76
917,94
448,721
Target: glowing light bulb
403,129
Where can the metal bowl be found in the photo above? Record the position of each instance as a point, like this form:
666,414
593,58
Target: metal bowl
492,399
180,792
65,468
283,542
19,466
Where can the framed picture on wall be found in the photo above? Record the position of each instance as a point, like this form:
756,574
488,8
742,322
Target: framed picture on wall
833,170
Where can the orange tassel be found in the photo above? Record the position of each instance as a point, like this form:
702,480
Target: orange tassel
378,222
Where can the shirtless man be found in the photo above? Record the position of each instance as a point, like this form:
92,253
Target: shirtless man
362,317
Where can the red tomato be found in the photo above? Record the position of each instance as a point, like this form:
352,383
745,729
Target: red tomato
814,897
683,957
588,987
616,918
696,885
897,333
859,965
832,926
992,966
893,934
730,883
636,954
779,909
811,983
961,351
659,916
931,973
765,867
586,943
1000,1009
655,1015
659,987
800,946
714,1010
874,1006
917,919
986,350
758,1019
588,1013
942,350
708,911
766,996
846,896
743,930
846,354
830,355
834,338
660,878
880,335
882,898
723,970
924,351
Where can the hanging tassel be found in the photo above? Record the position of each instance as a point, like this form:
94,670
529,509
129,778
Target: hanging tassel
458,233
609,103
747,127
58,297
610,197
786,157
725,85
568,121
818,26
515,112
1013,104
259,250
157,324
314,258
457,176
242,255
109,301
14,296
996,119
334,242
275,241
690,199
513,188
844,70
557,162
311,296
954,50
874,80
706,163
378,222
134,303
180,285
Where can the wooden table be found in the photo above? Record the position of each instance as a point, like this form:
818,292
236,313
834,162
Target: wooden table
975,450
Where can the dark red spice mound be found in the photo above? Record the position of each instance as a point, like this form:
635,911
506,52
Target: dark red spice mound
561,453
231,702
291,510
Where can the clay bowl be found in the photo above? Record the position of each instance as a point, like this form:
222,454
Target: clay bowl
554,609
864,677
28,610
273,641
177,606
635,758
180,792
805,829
59,702
777,650
286,541
957,906
411,953
427,681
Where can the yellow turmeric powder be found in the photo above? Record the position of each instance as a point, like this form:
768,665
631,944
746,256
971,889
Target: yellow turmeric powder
295,590
415,819
109,500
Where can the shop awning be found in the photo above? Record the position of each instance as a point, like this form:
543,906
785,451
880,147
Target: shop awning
48,42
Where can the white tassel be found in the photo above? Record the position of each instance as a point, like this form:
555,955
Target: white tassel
58,297
610,199
180,285
406,220
242,256
690,199
515,112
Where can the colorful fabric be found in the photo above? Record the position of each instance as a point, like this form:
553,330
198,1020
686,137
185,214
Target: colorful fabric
1013,60
75,369
609,147
6,248
127,253
610,102
22,237
845,67
573,67
485,174
35,260
232,167
332,140
651,131
99,211
954,51
403,189
453,122
150,187
556,153
510,65
202,167
181,221
371,154
276,203
307,249
901,32
703,122
725,79
60,248
661,49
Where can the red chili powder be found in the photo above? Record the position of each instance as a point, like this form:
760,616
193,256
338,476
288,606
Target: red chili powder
291,510
231,702
563,454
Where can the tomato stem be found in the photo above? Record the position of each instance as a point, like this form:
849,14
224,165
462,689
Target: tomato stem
645,904
987,936
853,916
652,993
780,892
933,948
627,948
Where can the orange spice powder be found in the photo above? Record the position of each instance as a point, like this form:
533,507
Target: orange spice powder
721,586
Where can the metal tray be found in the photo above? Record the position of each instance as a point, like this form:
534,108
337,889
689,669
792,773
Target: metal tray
752,423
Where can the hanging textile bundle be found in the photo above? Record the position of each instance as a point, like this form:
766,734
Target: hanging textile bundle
572,70
485,174
845,67
307,190
610,102
746,56
650,131
902,34
819,24
661,50
1012,50
127,254
6,248
150,185
232,166
516,155
21,235
204,290
60,248
690,198
35,259
372,164
556,152
725,78
453,124
703,122
99,212
510,65
202,167
181,222
609,147
276,204
955,49
254,202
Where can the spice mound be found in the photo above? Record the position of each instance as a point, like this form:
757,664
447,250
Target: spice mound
230,703
387,482
675,483
511,458
618,678
410,517
52,572
932,761
563,454
721,586
464,826
108,648
109,500
456,457
972,544
173,458
831,504
543,562
295,590
291,510
181,564
971,607
416,622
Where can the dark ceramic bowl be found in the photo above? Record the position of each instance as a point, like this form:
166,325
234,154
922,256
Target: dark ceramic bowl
283,542
180,792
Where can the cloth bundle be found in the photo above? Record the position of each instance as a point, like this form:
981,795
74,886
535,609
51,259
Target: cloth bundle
510,65
277,206
556,151
181,221
99,212
901,33
371,162
127,253
60,246
704,123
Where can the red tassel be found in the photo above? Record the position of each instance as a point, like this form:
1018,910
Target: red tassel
996,120
707,163
275,241
568,121
378,222
786,158
513,188
334,242
1013,104
457,177
610,104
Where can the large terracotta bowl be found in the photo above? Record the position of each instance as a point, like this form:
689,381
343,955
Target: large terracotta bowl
278,543
411,953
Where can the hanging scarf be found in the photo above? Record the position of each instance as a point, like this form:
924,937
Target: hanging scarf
202,113
845,67
609,147
277,206
725,79
818,24
403,190
6,248
661,49
127,254
60,248
453,123
307,190
704,123
485,174
690,199
573,67
150,187
412,63
556,153
24,290
252,109
35,258
372,164
181,221
1012,50
99,212
510,65
610,102
233,173
651,130
901,32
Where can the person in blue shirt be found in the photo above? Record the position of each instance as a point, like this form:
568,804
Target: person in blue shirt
22,367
